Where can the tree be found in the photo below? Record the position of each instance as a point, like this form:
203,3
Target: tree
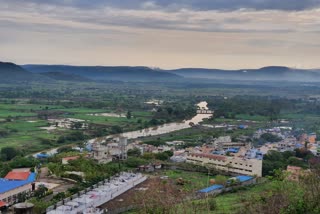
61,140
169,153
116,130
5,169
162,156
220,179
76,125
296,162
8,153
148,156
129,115
65,149
40,206
270,138
134,152
40,192
135,162
9,119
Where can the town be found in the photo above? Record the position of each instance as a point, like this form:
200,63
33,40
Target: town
68,180
159,107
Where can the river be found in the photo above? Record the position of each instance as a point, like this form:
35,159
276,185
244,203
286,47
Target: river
153,131
162,129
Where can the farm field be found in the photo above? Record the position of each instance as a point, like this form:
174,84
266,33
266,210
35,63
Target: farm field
21,123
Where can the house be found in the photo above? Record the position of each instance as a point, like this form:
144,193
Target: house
104,152
15,183
146,168
312,138
101,153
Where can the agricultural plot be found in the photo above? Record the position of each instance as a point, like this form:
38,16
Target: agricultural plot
29,127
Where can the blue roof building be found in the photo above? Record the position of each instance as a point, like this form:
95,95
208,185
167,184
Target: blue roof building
42,156
211,188
233,150
7,186
244,178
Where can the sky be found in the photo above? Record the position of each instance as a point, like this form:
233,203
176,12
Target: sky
228,34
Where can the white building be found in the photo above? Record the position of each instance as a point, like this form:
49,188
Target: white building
234,165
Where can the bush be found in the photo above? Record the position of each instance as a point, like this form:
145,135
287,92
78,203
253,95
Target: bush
75,177
135,162
212,204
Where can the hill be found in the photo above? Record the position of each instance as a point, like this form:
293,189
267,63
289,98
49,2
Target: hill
10,72
271,73
146,74
107,73
66,77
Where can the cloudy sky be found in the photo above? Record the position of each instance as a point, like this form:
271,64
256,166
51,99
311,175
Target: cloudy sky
162,33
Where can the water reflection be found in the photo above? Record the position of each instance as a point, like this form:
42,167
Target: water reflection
163,129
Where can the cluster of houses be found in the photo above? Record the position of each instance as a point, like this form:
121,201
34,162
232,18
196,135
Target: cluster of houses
223,154
290,142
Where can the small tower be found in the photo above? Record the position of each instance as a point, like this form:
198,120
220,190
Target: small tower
123,142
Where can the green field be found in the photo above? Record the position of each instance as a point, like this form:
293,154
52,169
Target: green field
233,202
252,118
195,180
20,124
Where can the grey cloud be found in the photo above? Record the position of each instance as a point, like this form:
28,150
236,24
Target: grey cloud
64,19
288,5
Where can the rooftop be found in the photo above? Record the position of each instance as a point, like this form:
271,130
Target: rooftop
244,178
16,175
7,185
211,156
211,188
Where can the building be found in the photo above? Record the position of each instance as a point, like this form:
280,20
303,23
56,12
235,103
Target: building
101,153
241,180
254,154
105,152
15,183
234,165
225,142
312,138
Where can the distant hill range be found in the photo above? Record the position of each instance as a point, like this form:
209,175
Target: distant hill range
272,73
10,72
108,73
122,73
65,77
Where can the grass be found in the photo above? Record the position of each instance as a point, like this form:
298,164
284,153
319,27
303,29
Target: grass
232,202
195,180
227,203
252,118
28,135
25,135
22,109
82,110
